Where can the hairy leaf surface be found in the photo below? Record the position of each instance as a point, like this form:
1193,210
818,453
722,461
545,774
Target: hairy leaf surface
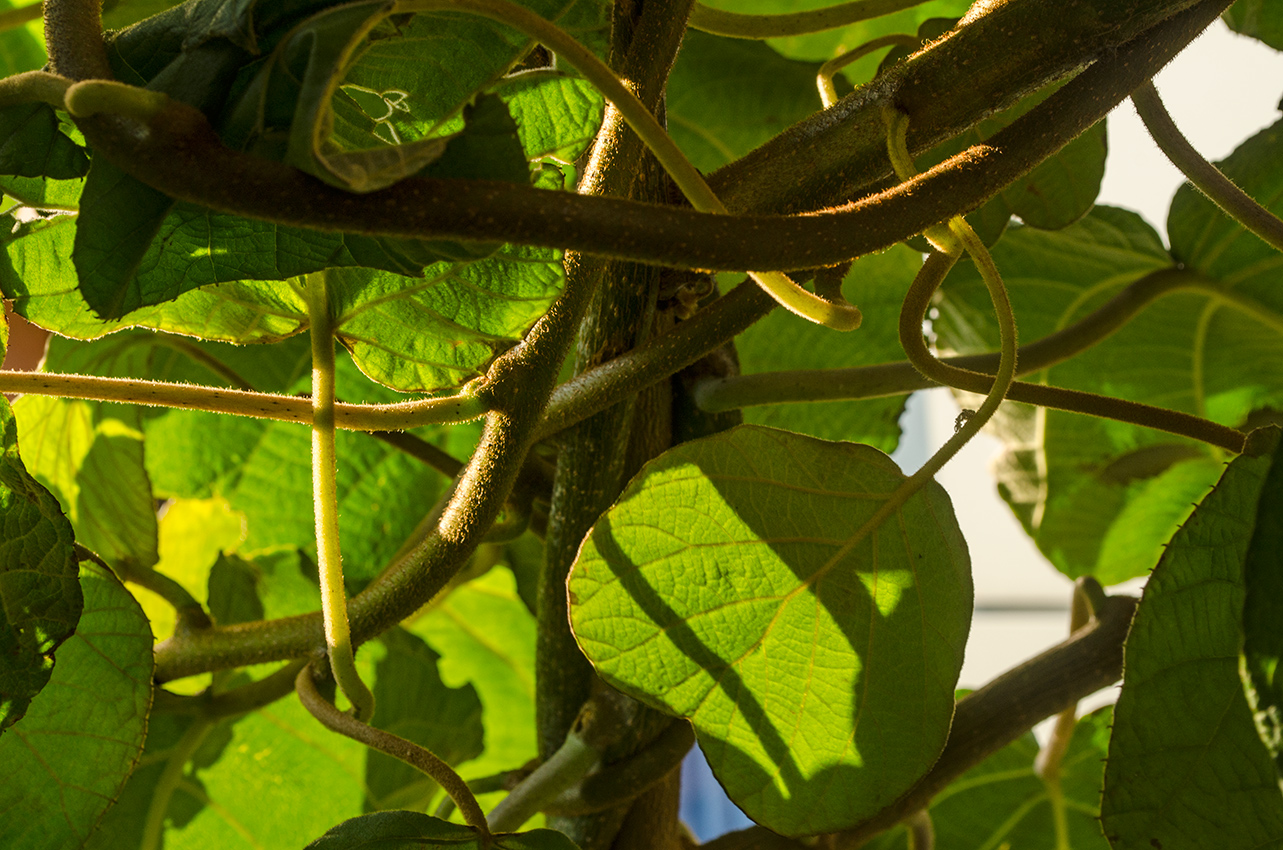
819,669
71,754
1186,767
40,597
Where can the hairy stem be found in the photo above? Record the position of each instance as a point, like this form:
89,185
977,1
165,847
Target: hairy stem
325,502
625,780
34,86
1207,178
462,407
183,157
395,746
736,25
563,769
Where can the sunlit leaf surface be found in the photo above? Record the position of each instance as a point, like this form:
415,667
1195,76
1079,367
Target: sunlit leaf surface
727,586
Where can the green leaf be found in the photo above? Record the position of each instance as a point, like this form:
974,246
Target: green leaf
557,116
1003,802
486,639
396,831
40,598
1102,498
233,591
1257,18
809,639
33,144
414,704
1263,615
1060,191
90,456
781,341
727,96
72,754
443,331
119,217
278,760
413,830
1186,768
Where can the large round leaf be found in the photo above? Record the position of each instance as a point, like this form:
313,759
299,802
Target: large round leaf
729,586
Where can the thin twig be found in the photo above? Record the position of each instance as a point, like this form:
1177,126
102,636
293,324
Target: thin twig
1207,178
395,746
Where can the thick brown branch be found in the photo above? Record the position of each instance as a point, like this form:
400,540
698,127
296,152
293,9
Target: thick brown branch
182,156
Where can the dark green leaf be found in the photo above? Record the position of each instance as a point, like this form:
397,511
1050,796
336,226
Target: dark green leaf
486,638
1186,768
1099,497
1257,18
396,831
1263,614
67,759
1003,802
1054,195
40,598
726,96
781,341
90,456
811,637
33,144
233,591
119,217
414,704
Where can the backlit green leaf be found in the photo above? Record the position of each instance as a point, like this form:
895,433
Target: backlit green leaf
819,671
1186,768
825,45
1257,18
90,455
40,598
1102,498
67,759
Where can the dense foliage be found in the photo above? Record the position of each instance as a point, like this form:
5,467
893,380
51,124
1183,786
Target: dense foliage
595,498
